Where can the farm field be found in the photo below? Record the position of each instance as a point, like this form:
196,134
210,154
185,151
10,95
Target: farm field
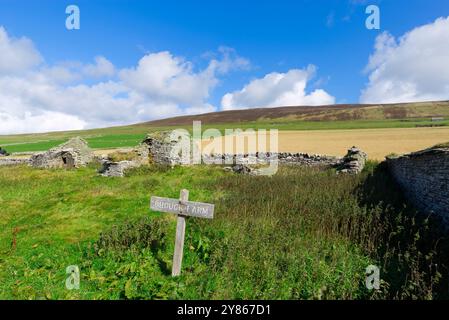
323,118
280,237
378,138
377,143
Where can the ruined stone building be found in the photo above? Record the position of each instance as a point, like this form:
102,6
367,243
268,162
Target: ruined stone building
74,153
164,147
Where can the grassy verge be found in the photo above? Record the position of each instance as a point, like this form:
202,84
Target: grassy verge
302,234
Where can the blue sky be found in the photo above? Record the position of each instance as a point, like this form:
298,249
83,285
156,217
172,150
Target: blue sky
265,36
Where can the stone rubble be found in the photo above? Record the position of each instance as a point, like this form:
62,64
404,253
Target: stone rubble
118,169
353,162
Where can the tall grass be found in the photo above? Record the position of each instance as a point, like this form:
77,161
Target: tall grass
305,222
302,234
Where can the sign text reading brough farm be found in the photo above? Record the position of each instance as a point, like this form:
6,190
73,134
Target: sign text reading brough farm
192,209
182,208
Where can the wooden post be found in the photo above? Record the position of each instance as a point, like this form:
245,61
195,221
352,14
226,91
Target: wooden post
183,208
180,234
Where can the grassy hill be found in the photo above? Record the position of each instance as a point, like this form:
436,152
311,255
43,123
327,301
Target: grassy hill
332,117
344,112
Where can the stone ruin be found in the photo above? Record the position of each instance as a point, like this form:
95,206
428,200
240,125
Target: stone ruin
135,158
74,153
353,162
161,146
156,148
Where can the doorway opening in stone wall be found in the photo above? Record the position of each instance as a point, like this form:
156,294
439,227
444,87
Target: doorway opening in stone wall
68,161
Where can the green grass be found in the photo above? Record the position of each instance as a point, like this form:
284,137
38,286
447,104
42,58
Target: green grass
130,136
302,234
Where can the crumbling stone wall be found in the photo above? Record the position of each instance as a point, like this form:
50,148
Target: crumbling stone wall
163,148
74,153
424,178
353,162
119,168
13,161
284,158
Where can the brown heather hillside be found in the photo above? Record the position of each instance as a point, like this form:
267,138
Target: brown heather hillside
317,113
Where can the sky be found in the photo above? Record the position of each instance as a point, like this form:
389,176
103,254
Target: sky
134,61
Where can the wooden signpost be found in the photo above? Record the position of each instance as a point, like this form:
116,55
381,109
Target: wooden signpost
183,208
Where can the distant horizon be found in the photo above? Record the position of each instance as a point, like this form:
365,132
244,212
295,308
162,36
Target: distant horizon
355,105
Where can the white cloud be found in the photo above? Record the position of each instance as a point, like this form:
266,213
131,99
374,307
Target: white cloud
102,68
166,78
413,68
16,55
46,121
228,61
278,89
36,97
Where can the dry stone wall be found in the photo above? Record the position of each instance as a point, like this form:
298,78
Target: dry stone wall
13,161
162,150
424,178
284,158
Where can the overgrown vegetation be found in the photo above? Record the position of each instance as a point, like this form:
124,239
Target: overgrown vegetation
123,155
301,234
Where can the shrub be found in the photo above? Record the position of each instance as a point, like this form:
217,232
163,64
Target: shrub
145,233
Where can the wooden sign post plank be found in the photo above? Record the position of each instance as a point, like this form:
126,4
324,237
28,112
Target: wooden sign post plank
180,234
183,208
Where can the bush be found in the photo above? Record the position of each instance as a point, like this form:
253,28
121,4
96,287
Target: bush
147,233
3,152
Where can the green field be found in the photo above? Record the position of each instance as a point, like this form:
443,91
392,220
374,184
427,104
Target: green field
301,234
130,136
